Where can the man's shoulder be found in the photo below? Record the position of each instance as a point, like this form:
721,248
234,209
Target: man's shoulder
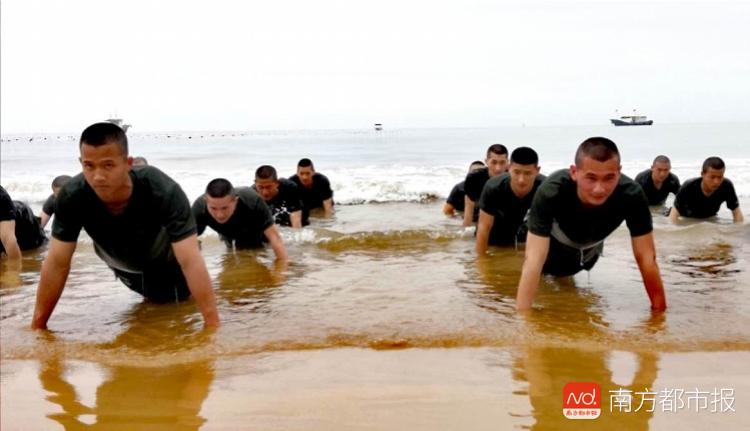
498,182
643,176
247,195
295,179
75,187
480,174
691,183
556,180
153,176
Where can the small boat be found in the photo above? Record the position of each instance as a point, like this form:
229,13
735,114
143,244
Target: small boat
632,120
378,126
120,123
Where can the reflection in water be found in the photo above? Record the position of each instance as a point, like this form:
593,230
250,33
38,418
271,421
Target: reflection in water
132,397
548,369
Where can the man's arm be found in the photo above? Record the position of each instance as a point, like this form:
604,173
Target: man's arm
674,215
52,280
449,210
274,238
468,211
483,231
645,256
194,268
737,215
296,218
44,218
537,248
8,238
328,207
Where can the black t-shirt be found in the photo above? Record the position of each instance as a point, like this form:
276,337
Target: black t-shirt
691,202
557,200
7,210
28,231
473,186
456,198
140,238
245,227
49,205
654,196
313,197
498,200
285,202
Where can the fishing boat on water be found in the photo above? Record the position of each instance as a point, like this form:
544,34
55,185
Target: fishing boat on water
120,123
632,120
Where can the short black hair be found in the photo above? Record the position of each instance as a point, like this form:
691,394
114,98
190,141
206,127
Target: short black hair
661,159
524,156
305,163
498,149
60,181
266,172
597,148
476,163
219,187
713,163
99,134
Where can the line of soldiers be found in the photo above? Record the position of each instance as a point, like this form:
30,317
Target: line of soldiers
144,229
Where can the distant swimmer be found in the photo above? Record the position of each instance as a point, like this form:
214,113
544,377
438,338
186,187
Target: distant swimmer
702,197
455,202
575,210
19,228
48,209
314,187
282,196
140,161
239,215
140,223
658,182
497,163
506,200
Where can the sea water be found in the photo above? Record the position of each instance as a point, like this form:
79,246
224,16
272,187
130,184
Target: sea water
384,317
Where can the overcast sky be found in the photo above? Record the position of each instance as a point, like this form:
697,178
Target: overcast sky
289,64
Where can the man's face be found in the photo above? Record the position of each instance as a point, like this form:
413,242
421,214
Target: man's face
267,188
595,180
306,175
522,178
106,169
711,180
497,164
221,209
660,172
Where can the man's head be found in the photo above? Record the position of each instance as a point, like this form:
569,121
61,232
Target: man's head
596,170
524,167
140,161
497,160
266,182
712,174
58,183
305,171
476,165
660,169
105,162
221,200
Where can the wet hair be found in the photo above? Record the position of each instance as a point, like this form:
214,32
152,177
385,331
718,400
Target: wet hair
661,159
305,163
140,161
266,172
713,163
498,149
219,188
60,181
99,134
475,165
524,156
597,148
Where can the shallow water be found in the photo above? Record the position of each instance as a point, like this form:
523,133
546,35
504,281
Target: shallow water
383,319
